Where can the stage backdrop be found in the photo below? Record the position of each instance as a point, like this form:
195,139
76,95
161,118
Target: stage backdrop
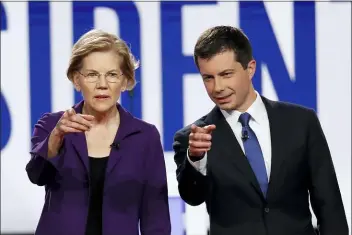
303,52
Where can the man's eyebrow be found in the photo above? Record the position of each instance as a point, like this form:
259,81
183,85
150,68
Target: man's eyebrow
220,73
226,71
204,75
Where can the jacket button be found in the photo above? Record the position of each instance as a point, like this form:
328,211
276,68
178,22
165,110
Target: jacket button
266,209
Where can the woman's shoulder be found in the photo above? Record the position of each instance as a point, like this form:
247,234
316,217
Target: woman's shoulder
52,115
137,123
146,126
50,118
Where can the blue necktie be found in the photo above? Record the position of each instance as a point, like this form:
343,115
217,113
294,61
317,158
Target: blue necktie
253,152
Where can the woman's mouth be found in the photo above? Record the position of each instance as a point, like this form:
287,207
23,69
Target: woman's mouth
102,97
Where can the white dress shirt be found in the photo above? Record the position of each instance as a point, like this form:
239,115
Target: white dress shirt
259,123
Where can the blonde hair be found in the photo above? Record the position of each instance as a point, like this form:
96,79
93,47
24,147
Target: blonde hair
98,40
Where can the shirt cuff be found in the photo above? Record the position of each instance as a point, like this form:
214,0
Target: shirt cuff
200,165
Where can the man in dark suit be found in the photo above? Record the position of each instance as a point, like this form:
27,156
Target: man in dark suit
253,161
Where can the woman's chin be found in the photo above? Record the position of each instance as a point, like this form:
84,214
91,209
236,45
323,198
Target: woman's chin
103,107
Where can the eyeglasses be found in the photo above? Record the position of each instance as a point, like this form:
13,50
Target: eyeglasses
93,77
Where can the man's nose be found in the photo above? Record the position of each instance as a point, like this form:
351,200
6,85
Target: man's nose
218,85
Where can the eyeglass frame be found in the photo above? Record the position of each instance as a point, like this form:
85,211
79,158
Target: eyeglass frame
100,74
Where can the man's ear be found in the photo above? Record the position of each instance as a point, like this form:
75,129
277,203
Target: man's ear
251,68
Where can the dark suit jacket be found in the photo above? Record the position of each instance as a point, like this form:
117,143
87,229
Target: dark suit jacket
135,183
301,165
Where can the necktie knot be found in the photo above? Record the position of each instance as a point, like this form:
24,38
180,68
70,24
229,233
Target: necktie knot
244,119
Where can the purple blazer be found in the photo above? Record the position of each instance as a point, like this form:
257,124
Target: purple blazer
135,191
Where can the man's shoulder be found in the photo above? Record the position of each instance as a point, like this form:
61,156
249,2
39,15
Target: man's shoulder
290,108
293,114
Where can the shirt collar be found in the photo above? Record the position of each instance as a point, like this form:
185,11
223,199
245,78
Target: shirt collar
256,110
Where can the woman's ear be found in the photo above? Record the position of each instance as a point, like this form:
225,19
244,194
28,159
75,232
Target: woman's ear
76,82
124,85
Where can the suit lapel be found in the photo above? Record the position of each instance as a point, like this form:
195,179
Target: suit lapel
277,154
225,143
128,126
79,142
80,145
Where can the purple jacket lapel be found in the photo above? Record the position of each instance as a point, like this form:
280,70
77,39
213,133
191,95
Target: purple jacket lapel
128,126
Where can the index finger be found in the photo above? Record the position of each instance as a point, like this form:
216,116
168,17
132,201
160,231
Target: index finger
197,129
209,128
71,112
87,117
79,119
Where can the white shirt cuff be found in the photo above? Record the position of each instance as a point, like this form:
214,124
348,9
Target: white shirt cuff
200,165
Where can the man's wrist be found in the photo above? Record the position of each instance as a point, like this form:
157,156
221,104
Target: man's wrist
195,158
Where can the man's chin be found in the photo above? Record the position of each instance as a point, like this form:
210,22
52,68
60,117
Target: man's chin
225,106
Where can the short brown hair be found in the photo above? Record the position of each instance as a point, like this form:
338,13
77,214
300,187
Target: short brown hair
219,39
98,40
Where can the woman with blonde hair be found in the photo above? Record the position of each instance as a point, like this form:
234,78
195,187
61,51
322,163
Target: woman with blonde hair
103,169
